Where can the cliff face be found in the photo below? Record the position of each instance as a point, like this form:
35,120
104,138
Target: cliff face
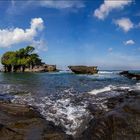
40,68
43,68
84,69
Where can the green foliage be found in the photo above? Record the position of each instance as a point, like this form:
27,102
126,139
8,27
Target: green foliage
22,58
9,58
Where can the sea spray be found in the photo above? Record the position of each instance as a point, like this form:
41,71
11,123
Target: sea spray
73,118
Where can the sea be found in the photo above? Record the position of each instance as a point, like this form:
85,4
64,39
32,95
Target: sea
63,97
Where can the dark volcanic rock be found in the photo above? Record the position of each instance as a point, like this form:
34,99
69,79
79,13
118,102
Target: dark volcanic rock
21,122
130,75
84,69
120,122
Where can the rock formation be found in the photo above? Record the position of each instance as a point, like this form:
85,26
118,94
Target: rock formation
130,75
22,122
42,68
120,122
84,69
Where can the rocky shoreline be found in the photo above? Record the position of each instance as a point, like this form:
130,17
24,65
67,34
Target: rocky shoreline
20,122
120,120
39,68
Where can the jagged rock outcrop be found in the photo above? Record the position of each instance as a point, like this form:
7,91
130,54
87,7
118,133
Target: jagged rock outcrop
130,75
120,122
21,122
84,69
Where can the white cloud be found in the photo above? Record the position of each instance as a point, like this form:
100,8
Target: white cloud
16,7
40,45
125,24
61,4
109,5
129,42
9,37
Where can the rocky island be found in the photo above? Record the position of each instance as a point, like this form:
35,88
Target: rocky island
25,60
84,69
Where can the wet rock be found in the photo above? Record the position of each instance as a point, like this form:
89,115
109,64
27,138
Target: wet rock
18,110
121,122
95,110
22,122
124,73
130,75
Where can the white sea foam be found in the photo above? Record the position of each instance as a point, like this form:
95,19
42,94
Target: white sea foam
97,91
105,72
110,88
108,72
62,112
137,86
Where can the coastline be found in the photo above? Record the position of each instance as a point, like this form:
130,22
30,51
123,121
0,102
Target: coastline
113,122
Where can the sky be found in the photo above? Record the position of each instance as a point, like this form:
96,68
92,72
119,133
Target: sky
104,33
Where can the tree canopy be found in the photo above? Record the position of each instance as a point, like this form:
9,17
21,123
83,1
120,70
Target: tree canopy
20,59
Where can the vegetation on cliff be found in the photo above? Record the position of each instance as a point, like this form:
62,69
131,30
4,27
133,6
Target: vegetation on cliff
19,60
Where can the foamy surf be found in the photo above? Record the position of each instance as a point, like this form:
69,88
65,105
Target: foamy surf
105,72
137,86
111,88
73,118
97,91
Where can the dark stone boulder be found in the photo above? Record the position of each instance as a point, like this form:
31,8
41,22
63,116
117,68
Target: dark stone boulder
83,69
120,122
130,75
21,122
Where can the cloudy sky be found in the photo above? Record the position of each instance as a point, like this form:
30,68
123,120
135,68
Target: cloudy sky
105,33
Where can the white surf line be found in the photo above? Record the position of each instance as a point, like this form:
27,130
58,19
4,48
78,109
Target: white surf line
97,91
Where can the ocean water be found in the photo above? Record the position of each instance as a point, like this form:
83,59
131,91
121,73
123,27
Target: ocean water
63,97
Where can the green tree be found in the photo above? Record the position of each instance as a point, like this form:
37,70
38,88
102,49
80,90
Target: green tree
21,59
9,60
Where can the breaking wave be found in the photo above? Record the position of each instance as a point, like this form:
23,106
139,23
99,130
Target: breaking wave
73,118
108,72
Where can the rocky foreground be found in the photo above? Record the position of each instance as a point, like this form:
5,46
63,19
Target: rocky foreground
119,121
21,122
